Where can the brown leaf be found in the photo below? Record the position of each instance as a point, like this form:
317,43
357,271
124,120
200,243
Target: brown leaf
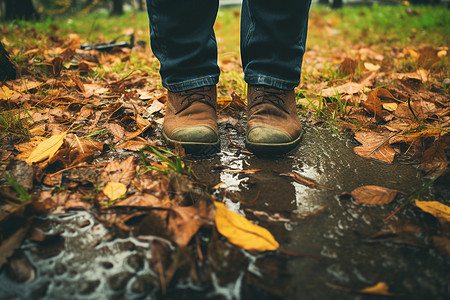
434,160
116,130
375,146
373,105
133,145
143,200
184,222
122,172
300,179
373,195
349,88
348,66
13,242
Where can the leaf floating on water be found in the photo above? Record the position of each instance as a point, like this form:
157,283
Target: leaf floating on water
437,209
301,180
375,146
381,288
114,190
243,233
47,148
373,195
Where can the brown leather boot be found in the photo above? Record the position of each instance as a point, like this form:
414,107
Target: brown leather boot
273,125
191,120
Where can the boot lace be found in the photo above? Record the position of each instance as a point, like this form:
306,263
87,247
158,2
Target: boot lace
273,97
197,95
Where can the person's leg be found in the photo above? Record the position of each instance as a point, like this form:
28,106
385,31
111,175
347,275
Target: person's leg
273,37
183,40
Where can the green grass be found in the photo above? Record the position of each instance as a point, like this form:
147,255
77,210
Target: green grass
391,24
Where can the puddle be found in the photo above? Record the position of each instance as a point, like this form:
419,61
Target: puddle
89,264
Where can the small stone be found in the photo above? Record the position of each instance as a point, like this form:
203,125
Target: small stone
60,268
447,82
119,281
136,262
88,287
41,291
107,265
19,270
143,284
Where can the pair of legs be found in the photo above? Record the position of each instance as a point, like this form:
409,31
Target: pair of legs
273,37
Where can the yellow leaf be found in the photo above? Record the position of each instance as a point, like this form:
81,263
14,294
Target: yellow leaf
5,93
390,106
435,208
47,148
243,233
114,190
381,288
371,67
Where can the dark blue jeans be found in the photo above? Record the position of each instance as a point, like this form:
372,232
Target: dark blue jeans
273,37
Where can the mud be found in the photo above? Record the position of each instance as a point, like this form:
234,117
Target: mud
85,261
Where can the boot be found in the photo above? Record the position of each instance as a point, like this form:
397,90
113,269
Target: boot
273,125
191,120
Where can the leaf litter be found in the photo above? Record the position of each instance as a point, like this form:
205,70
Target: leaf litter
81,109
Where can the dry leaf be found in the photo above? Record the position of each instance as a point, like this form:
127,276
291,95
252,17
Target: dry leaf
114,190
5,93
390,106
143,200
381,288
437,209
243,233
46,149
371,67
434,160
374,146
373,195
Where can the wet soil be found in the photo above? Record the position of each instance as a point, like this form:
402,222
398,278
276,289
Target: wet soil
353,244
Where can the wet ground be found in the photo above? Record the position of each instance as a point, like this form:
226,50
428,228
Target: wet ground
356,248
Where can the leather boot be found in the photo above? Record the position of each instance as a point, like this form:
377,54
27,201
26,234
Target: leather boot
273,125
191,120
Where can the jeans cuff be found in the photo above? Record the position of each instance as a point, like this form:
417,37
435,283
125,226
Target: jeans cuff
271,81
191,84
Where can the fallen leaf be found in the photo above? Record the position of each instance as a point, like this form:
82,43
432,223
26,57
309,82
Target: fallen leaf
122,172
381,288
13,242
5,93
375,146
434,160
349,88
371,67
437,209
373,195
184,222
348,66
300,179
114,190
390,106
142,200
47,148
243,233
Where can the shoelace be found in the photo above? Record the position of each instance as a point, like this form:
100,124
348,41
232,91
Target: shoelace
190,98
273,97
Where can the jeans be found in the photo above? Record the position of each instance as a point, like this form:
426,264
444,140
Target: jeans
273,37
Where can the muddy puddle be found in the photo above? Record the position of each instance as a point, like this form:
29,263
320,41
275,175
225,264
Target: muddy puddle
354,248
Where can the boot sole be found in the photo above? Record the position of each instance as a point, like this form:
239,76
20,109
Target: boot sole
194,148
270,149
